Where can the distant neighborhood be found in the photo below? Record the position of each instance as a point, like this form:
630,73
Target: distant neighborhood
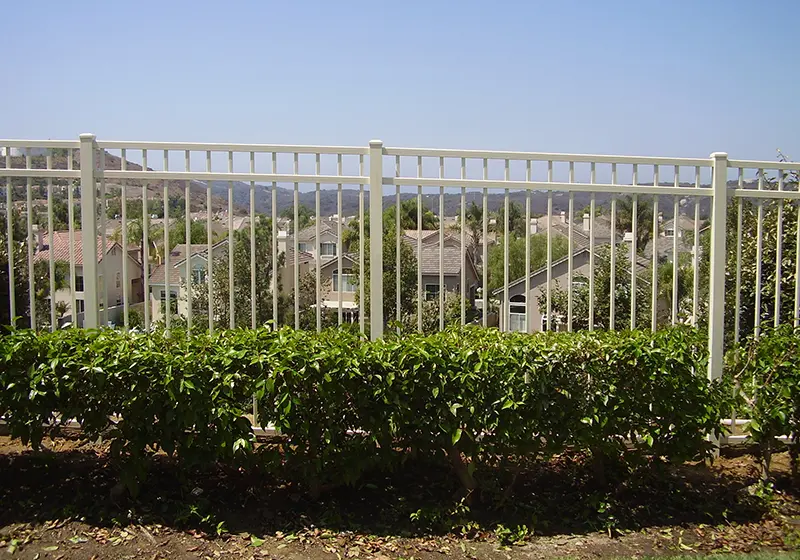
149,276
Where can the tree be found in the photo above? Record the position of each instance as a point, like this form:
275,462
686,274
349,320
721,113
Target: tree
516,219
751,259
749,266
473,221
155,238
430,314
644,218
304,217
220,305
177,233
41,277
516,257
408,220
409,215
307,294
408,275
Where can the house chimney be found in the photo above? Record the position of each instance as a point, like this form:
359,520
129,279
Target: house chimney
534,226
563,217
586,226
39,237
282,238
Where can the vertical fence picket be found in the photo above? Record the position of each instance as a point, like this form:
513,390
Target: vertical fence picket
376,239
612,288
126,283
778,252
209,249
12,296
549,289
654,281
759,255
30,243
51,261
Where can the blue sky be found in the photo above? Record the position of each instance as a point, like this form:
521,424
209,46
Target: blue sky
671,78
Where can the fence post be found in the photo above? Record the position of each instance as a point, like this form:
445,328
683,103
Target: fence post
716,310
716,322
91,314
375,239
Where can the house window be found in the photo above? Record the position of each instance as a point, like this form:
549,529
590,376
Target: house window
80,306
198,274
349,282
79,283
431,291
303,247
517,316
327,249
118,280
173,300
669,232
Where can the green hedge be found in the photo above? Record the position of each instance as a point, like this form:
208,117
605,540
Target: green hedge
766,371
345,404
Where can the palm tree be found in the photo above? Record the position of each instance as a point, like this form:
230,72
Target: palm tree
644,218
155,238
473,221
516,219
61,309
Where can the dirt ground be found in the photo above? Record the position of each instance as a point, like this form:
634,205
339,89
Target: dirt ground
62,503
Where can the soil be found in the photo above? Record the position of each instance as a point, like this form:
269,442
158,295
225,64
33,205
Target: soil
63,503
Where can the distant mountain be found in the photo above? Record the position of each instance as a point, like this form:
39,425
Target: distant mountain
452,201
328,197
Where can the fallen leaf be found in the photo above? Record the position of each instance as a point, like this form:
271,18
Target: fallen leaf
255,541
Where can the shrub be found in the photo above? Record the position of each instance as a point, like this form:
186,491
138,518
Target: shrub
767,370
344,404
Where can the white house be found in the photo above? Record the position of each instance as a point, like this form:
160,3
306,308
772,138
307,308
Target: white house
109,270
198,263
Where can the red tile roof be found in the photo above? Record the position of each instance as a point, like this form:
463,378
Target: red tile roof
60,248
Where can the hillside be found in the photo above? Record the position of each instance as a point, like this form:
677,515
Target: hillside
328,196
452,201
155,189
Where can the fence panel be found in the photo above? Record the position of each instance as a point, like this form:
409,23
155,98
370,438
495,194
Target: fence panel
233,235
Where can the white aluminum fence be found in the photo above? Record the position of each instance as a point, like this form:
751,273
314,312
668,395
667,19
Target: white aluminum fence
624,193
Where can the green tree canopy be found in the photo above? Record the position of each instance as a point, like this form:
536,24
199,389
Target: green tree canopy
516,257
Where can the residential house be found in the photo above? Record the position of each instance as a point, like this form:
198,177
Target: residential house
339,286
450,259
341,283
666,238
109,269
524,312
581,230
198,265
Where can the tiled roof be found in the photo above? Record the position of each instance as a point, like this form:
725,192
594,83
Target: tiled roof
177,257
310,233
304,256
427,234
429,263
580,237
158,275
182,250
60,248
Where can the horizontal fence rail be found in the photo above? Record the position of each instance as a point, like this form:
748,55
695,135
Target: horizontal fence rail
218,235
